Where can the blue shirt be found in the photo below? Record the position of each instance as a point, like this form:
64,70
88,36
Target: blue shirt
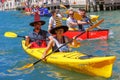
85,26
42,35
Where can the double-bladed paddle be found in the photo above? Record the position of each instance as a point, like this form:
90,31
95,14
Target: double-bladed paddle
32,64
13,35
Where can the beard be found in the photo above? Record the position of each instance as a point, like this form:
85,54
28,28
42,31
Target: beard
37,28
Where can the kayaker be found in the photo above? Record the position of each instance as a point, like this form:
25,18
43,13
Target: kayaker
37,38
71,21
85,22
52,20
59,39
67,12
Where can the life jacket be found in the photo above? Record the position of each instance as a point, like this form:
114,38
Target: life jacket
39,44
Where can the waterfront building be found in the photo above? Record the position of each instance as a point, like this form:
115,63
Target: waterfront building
94,5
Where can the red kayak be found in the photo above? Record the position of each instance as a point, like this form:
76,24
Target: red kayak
89,35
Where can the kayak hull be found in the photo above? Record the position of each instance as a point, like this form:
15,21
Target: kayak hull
89,35
76,61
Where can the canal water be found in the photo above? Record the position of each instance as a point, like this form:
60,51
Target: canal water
13,56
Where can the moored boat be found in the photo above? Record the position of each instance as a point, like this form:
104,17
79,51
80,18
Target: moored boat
89,35
76,61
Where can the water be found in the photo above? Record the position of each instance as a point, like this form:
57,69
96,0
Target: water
12,55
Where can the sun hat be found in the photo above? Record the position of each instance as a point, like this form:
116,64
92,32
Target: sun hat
58,26
37,20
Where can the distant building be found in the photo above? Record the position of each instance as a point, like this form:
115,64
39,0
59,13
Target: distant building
7,4
13,4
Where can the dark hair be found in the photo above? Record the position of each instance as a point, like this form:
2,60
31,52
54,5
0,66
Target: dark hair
53,11
82,10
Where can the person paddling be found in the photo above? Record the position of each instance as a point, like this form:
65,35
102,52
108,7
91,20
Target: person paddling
52,20
38,37
59,39
85,22
71,21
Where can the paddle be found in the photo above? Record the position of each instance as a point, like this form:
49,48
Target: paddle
95,25
14,35
32,64
77,16
94,18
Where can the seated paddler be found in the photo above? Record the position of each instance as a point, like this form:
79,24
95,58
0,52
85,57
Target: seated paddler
71,21
37,38
59,39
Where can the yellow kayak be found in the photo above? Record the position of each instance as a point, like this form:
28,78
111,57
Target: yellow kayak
76,61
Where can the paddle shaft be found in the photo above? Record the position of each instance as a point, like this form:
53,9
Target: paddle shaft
14,35
21,36
32,38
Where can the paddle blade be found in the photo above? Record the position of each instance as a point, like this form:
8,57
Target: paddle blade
10,34
94,18
95,25
25,67
63,6
77,16
75,45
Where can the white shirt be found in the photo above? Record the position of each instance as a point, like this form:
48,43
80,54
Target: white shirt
52,21
68,22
